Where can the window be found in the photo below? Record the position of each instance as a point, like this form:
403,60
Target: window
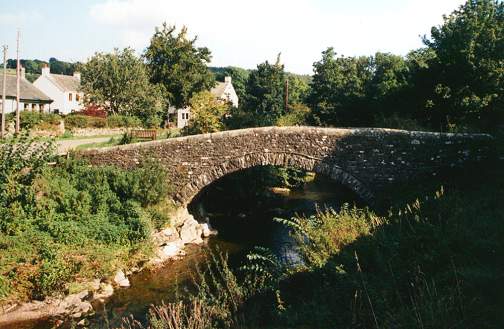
77,97
70,97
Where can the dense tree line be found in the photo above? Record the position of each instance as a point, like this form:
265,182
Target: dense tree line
455,82
34,67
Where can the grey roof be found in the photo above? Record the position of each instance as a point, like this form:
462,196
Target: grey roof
27,91
218,90
65,82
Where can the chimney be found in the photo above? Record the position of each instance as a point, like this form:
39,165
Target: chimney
227,79
77,75
23,73
45,69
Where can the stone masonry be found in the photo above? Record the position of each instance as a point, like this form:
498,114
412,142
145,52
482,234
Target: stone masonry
363,159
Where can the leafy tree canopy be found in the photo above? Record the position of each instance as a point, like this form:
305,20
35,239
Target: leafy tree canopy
469,63
119,82
265,92
207,113
177,64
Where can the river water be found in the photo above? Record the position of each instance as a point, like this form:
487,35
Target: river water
241,226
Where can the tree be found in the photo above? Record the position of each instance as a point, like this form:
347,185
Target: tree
339,90
60,67
265,93
175,62
119,83
207,113
299,88
469,64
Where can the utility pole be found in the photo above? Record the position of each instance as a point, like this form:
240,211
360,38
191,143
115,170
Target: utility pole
2,132
286,94
18,77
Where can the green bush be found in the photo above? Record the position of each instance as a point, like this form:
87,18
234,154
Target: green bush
117,121
55,222
84,121
50,278
31,120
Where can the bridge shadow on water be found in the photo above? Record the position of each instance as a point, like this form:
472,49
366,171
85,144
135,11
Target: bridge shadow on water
242,206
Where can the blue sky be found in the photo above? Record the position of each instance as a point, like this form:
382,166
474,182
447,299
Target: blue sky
238,32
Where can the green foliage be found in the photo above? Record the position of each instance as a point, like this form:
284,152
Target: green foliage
349,91
469,65
116,121
112,121
51,276
329,231
22,159
126,138
455,83
263,270
119,83
265,92
176,64
297,115
70,220
31,120
34,67
207,114
84,121
299,88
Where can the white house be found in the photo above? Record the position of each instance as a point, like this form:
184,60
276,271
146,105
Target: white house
63,89
223,91
226,92
30,98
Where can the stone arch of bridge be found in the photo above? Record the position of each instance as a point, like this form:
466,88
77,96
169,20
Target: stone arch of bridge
299,161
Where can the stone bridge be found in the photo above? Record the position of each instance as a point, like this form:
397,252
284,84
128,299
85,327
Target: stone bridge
362,159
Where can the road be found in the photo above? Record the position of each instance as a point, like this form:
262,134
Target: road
63,146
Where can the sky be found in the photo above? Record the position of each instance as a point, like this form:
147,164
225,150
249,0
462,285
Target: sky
238,32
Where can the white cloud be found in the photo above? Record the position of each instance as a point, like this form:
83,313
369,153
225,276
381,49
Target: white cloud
245,33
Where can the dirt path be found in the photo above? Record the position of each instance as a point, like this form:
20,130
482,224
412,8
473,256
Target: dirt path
63,146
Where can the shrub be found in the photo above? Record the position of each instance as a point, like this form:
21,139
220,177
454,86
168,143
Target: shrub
57,221
22,160
31,120
94,111
50,278
153,122
296,115
83,121
116,121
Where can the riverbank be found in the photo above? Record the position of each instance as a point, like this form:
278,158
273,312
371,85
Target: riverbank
170,244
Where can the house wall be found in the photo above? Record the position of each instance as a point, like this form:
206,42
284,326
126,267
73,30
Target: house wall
10,106
231,94
183,117
61,102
